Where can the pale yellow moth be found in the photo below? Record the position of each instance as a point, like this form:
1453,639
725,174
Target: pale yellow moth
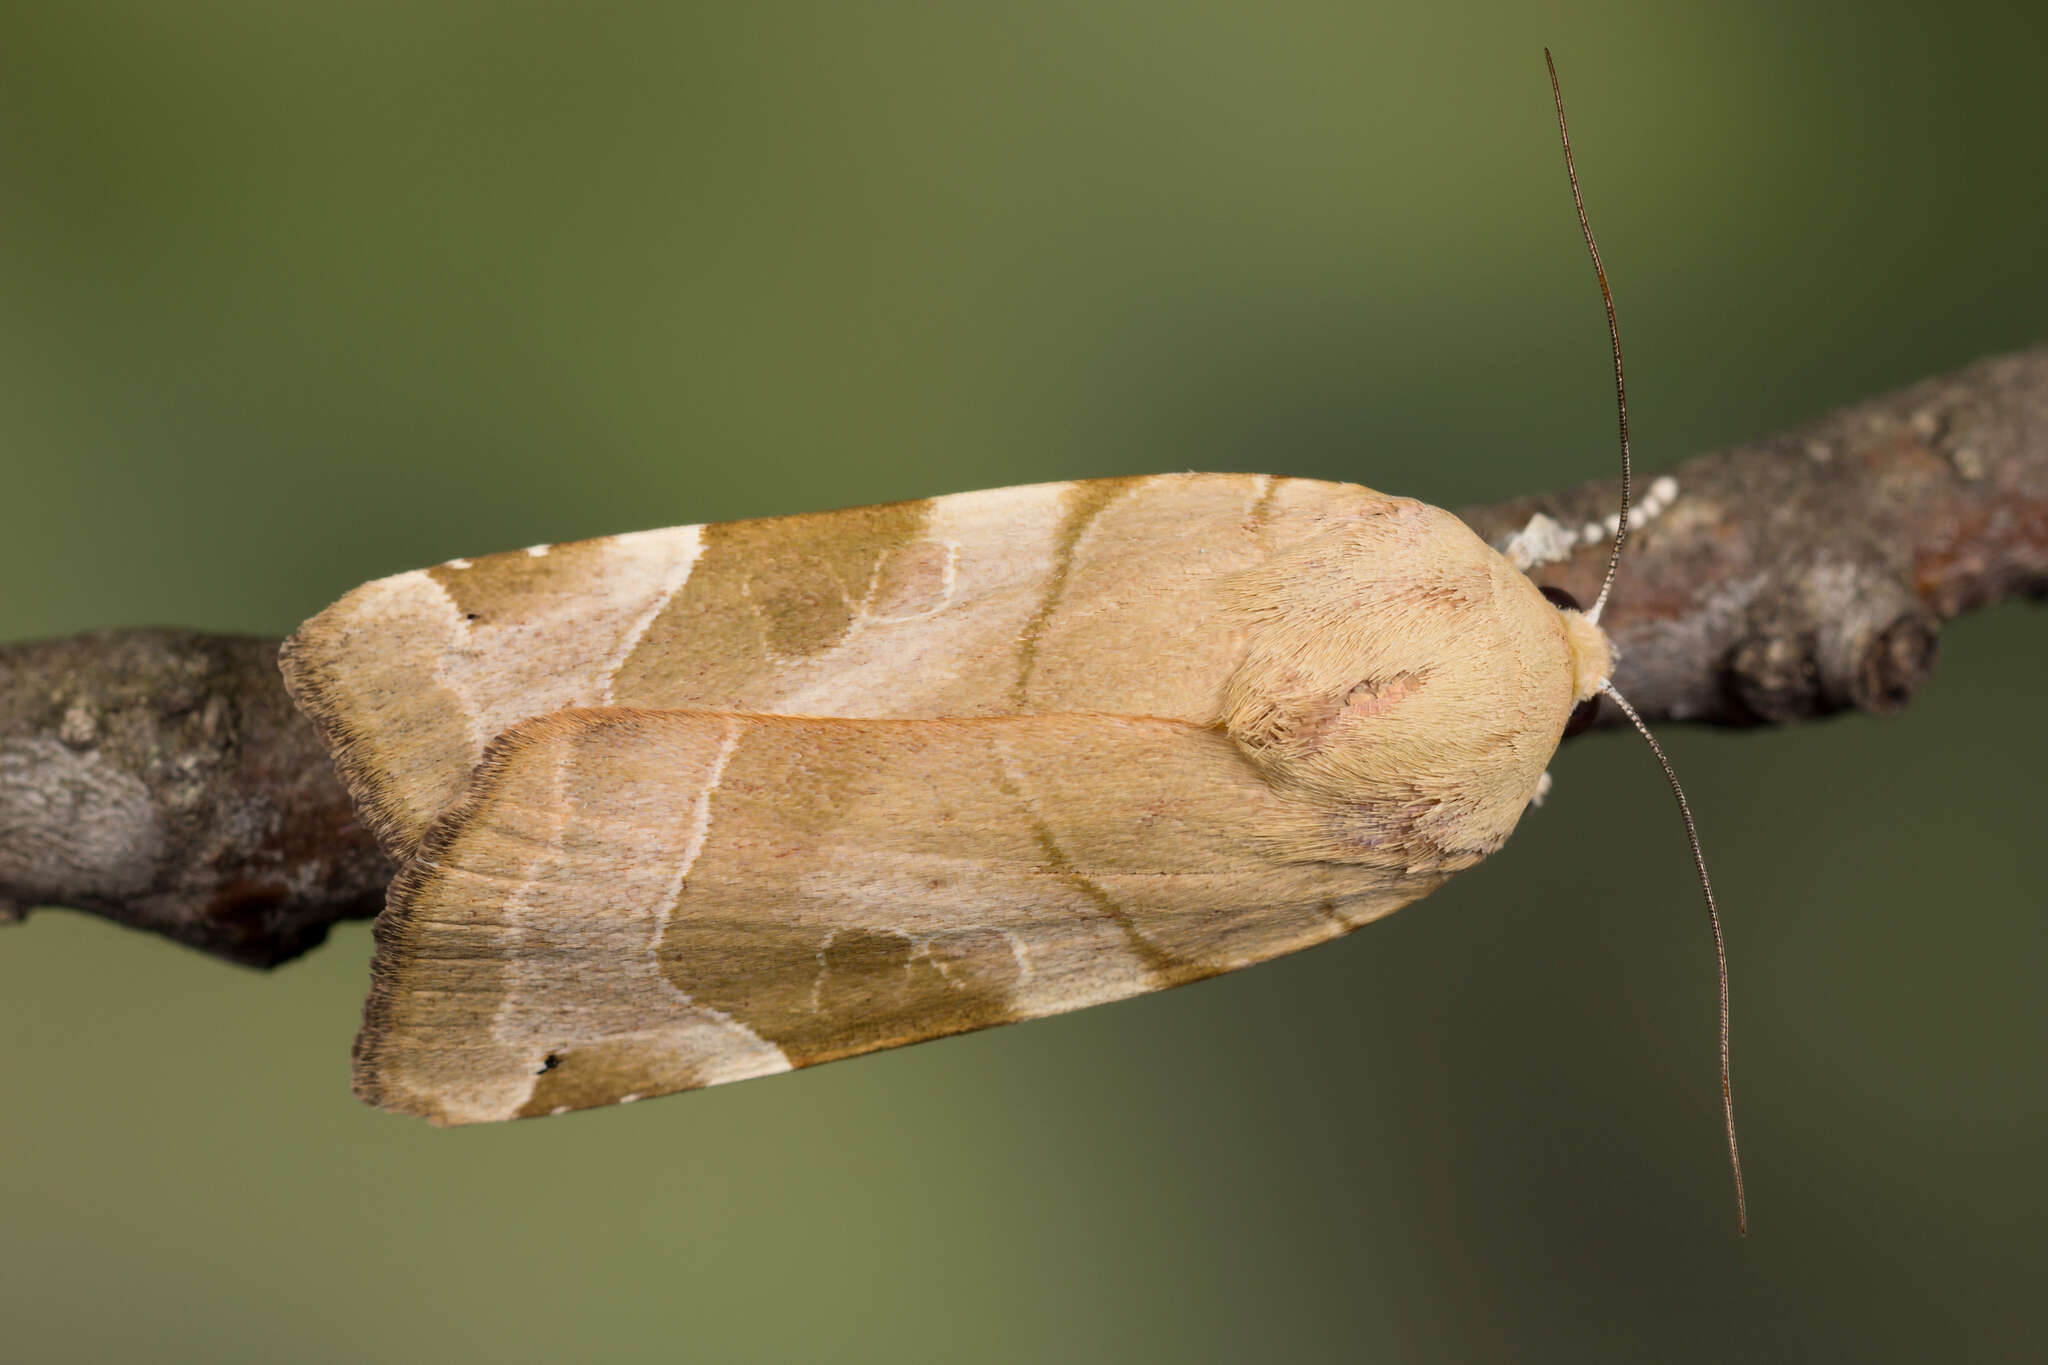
686,806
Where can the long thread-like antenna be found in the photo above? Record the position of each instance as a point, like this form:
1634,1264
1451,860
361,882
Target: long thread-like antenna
1692,836
1613,333
1699,862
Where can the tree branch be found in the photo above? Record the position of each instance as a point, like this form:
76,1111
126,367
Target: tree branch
1809,572
162,779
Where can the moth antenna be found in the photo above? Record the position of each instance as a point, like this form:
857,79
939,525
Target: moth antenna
1720,947
1613,333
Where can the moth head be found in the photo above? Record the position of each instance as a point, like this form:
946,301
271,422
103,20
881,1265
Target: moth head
1591,655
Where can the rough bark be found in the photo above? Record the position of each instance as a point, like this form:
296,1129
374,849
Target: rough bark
162,779
1809,572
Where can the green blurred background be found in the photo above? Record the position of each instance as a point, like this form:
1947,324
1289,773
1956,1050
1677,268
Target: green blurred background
299,295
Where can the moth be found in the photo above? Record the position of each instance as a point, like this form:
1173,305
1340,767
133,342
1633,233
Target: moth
692,805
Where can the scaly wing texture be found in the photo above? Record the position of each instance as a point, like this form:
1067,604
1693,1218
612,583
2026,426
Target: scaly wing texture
627,902
1108,595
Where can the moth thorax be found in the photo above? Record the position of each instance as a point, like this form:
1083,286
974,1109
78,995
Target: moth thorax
1592,654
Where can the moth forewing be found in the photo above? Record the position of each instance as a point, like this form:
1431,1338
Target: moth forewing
1104,595
628,902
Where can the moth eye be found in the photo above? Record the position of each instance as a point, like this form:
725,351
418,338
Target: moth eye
1562,600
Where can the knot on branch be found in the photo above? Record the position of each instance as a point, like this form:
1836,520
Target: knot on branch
1833,638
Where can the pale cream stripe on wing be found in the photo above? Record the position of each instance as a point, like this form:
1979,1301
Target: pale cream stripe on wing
1260,498
690,547
956,660
444,660
628,997
502,1084
756,1056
